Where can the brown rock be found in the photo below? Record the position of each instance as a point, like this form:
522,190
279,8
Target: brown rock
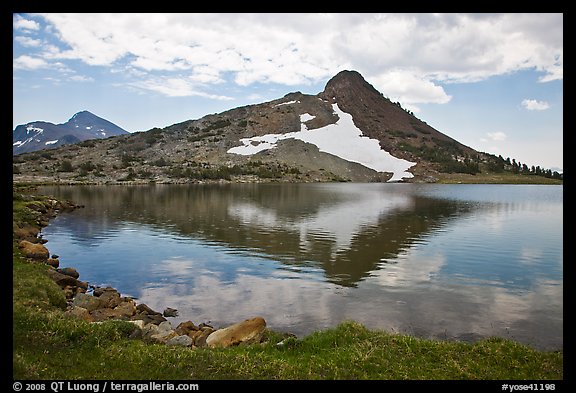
170,312
79,312
83,285
98,291
182,341
200,340
186,328
163,336
145,318
69,291
110,299
89,302
54,262
33,250
144,308
69,271
164,333
126,309
104,314
27,232
156,319
62,280
195,335
245,332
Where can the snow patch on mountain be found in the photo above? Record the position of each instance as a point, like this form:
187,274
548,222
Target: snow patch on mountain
287,103
34,129
342,139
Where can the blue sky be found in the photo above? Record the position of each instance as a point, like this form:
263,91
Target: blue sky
492,81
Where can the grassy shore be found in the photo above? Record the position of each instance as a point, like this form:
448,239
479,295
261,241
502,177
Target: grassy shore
495,178
49,345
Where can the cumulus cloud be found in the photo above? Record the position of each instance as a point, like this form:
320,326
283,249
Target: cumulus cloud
26,62
20,23
27,41
535,105
408,87
174,87
495,136
408,56
81,78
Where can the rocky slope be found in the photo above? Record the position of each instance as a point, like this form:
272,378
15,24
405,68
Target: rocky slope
348,132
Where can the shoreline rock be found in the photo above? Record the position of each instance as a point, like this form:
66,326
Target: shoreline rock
246,332
34,251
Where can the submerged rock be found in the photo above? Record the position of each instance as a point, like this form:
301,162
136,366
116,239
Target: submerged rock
170,312
147,310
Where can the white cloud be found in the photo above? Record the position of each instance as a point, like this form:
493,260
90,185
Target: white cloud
409,88
81,78
535,105
26,62
408,56
174,87
495,136
27,41
19,23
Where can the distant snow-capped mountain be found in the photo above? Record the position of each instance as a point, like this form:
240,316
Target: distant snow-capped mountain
82,126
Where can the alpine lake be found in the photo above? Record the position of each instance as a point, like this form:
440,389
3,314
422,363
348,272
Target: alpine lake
450,262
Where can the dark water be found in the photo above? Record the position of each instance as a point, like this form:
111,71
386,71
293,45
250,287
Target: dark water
440,261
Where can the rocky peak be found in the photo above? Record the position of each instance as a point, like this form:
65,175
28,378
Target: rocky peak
347,85
381,119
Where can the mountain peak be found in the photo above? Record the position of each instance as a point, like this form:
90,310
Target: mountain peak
347,85
83,114
94,124
346,76
81,126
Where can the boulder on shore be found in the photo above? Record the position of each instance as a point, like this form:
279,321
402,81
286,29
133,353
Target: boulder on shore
34,250
246,332
69,271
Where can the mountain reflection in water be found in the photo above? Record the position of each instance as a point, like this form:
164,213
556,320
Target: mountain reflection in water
307,256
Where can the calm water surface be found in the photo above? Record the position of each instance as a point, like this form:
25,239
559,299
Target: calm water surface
440,261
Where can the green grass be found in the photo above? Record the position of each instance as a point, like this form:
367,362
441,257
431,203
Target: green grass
495,178
49,345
